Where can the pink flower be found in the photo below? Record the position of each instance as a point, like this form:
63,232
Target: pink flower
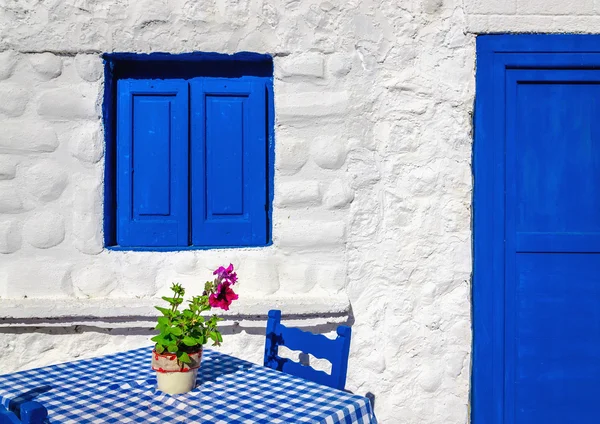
225,274
223,297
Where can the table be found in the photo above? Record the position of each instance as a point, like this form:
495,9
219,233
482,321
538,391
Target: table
121,388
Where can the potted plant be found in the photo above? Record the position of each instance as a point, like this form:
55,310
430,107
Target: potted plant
184,331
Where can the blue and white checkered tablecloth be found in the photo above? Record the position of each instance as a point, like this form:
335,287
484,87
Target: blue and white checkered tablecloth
121,388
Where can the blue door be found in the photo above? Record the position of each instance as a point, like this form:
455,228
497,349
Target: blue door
536,287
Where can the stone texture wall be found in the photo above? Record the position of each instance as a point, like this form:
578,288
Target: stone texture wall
373,104
579,16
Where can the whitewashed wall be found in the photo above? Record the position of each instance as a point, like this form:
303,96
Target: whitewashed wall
373,184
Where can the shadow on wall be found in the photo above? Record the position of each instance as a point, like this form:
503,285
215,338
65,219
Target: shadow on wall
252,324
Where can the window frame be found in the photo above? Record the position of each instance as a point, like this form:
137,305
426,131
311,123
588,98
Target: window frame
243,66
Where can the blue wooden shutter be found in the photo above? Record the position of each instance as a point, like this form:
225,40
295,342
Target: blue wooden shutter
152,163
228,162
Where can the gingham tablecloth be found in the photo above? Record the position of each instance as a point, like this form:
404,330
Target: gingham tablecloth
121,388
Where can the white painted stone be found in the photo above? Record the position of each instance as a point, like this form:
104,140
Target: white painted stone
340,64
291,156
14,99
10,235
10,198
63,104
300,65
294,278
8,168
93,280
259,275
329,152
45,180
47,65
339,194
311,234
89,67
329,277
492,6
38,277
8,61
44,229
87,216
23,136
554,7
313,104
297,193
87,143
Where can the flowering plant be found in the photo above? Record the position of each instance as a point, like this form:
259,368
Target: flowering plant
185,331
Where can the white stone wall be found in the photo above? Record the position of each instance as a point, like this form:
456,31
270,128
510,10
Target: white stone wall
373,105
578,16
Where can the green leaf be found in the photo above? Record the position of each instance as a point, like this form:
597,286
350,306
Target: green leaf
185,358
188,314
157,339
176,331
165,311
160,348
172,348
190,341
163,320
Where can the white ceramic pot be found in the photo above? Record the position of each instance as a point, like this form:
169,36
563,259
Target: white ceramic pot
174,378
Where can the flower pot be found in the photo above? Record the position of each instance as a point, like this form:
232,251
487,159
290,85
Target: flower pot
172,377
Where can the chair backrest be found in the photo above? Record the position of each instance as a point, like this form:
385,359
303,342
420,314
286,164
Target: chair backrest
335,351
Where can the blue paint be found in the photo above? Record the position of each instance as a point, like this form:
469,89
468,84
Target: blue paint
30,412
109,118
335,351
249,68
536,164
229,168
152,163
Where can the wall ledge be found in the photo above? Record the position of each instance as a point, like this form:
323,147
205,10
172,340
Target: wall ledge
65,310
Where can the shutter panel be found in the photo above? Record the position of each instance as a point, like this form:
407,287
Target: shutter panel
152,163
228,162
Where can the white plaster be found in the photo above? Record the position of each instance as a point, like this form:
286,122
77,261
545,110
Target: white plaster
87,143
63,104
45,180
89,67
14,99
301,65
297,193
47,65
8,61
8,168
338,195
340,64
291,156
311,234
10,198
23,136
122,308
44,229
87,215
10,235
329,152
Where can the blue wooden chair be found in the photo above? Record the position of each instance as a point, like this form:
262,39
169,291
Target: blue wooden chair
335,351
31,413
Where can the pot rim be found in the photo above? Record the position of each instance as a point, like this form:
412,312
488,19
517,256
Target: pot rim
173,356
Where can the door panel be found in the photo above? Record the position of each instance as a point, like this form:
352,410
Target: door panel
552,171
536,294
